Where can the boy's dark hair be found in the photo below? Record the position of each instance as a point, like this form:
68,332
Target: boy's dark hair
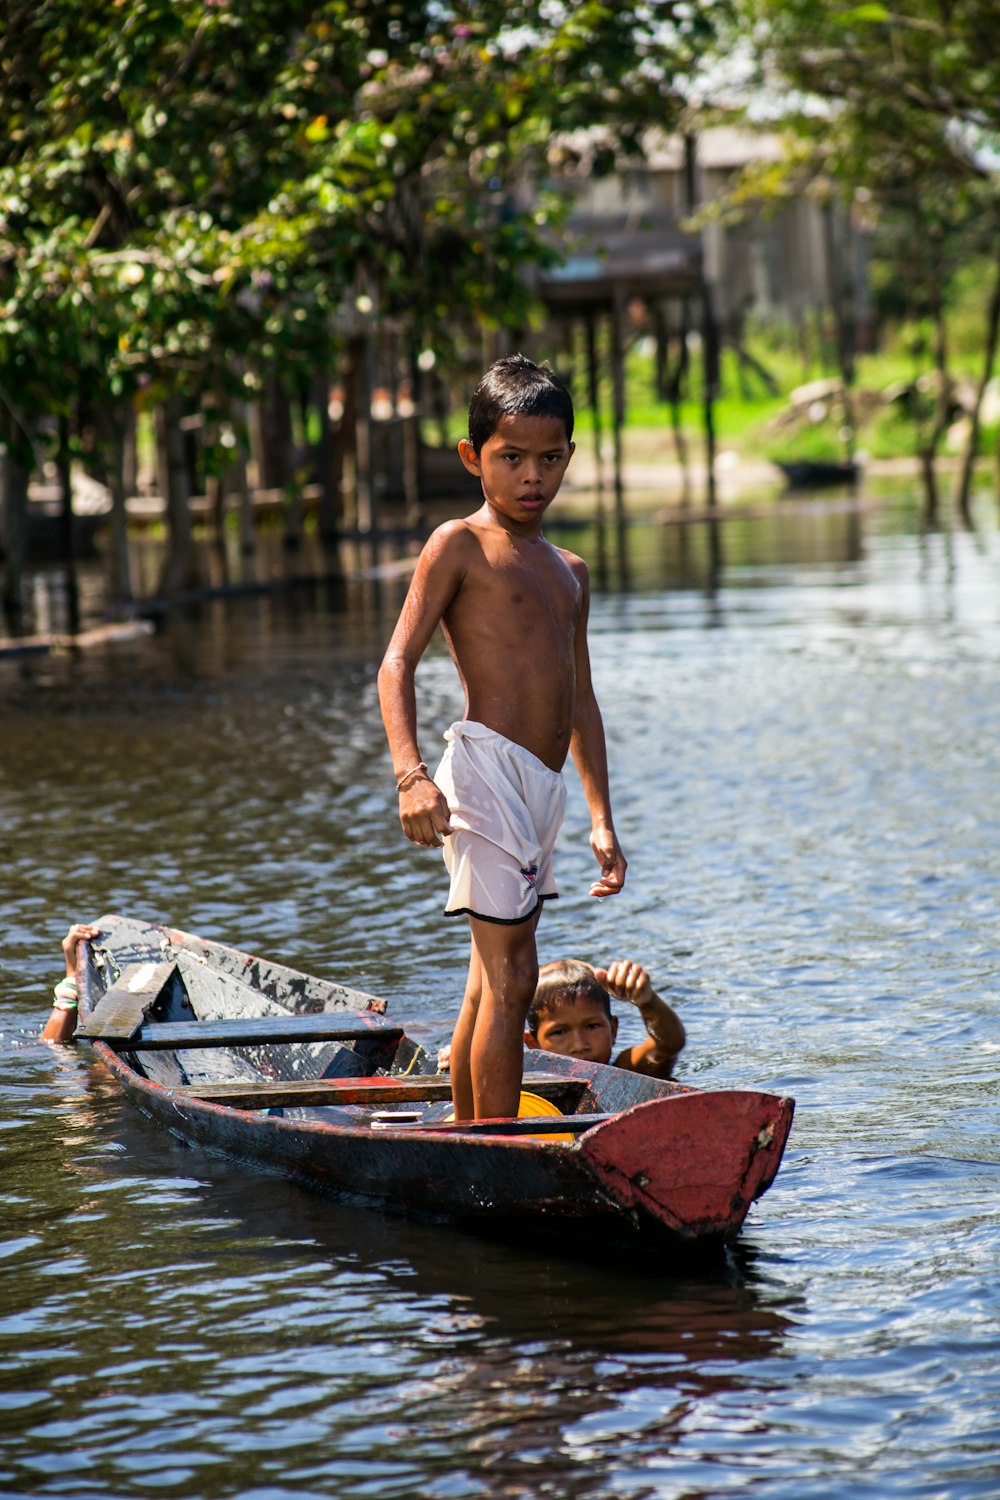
561,983
516,387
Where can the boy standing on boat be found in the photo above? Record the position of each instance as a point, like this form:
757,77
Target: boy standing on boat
513,609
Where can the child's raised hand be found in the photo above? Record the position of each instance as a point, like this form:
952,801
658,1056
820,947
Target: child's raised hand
626,980
79,932
424,813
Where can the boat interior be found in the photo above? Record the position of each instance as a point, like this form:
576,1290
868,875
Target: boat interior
220,1025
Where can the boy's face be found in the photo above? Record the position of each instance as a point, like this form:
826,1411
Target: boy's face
576,1028
521,466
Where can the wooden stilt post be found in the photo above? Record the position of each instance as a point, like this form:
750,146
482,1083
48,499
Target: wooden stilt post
594,390
412,497
710,356
618,415
179,567
15,472
363,440
326,460
594,394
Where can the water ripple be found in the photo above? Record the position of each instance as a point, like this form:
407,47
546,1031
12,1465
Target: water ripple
804,765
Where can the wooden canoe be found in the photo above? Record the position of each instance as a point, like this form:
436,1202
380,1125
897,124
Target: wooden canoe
812,474
307,1078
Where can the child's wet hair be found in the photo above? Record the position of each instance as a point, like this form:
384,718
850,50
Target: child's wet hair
561,983
516,387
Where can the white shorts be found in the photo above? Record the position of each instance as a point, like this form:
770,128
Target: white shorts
506,807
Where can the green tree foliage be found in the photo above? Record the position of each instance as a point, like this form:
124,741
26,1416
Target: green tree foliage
901,103
192,194
896,109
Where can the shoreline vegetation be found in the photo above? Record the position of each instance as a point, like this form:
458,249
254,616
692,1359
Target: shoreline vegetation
748,488
286,264
653,471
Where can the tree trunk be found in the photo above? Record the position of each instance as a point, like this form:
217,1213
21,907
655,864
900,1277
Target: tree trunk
121,568
172,473
240,481
348,441
293,478
14,475
114,459
237,477
326,462
413,502
215,492
363,477
963,489
64,469
275,459
129,467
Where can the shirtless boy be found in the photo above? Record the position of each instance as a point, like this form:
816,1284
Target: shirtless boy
513,609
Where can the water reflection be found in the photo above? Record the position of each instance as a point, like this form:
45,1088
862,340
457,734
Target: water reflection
239,1329
280,1321
647,547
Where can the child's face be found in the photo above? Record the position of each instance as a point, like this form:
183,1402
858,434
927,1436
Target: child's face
521,466
577,1028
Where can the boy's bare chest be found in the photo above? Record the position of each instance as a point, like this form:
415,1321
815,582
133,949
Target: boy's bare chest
520,592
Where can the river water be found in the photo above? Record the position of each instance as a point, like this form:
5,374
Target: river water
803,719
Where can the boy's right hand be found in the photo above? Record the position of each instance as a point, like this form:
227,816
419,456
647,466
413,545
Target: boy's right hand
608,853
424,813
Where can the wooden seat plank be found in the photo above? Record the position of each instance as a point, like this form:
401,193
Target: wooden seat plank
323,1026
423,1089
120,1012
533,1125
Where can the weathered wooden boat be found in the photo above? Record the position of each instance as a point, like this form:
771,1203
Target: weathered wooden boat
308,1078
815,474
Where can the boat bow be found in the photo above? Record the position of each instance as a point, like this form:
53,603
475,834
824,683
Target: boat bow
693,1162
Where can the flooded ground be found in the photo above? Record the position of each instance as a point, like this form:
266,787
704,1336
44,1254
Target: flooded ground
803,720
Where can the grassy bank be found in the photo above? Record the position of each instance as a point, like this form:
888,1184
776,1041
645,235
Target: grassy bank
757,418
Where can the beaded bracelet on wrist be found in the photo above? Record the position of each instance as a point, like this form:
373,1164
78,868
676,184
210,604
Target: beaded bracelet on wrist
414,775
64,994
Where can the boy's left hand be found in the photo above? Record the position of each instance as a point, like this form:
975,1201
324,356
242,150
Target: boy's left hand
608,853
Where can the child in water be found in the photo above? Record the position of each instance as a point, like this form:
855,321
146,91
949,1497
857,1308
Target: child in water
571,1014
61,1025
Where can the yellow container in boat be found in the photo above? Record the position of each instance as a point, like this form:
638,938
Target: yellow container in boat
532,1106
